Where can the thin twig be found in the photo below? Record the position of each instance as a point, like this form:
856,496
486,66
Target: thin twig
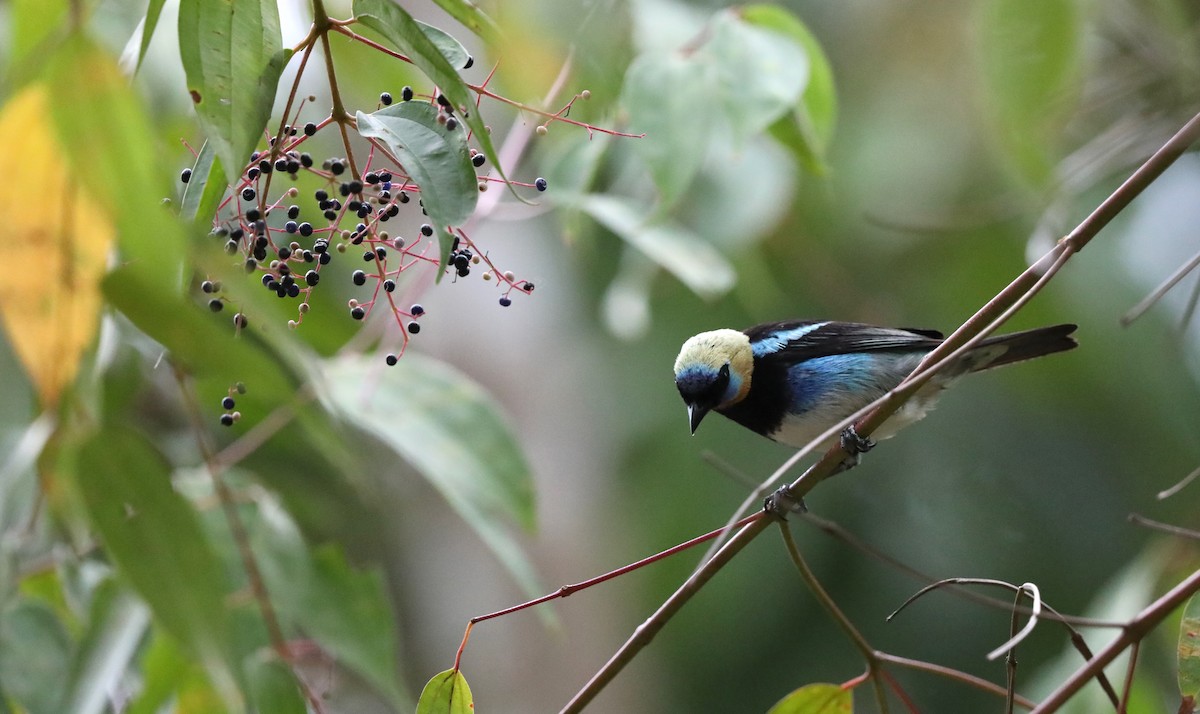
1163,495
1164,527
822,596
1157,294
969,679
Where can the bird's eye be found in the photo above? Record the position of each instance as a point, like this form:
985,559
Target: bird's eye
724,373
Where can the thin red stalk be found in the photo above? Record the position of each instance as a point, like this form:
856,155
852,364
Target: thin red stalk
568,590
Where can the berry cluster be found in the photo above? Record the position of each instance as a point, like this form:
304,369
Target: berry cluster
288,241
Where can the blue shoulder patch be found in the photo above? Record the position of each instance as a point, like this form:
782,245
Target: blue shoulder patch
778,340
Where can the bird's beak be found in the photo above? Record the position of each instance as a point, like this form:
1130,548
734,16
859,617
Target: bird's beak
696,415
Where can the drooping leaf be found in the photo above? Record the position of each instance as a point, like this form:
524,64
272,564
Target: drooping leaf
154,537
436,158
446,693
451,49
422,408
55,259
316,591
816,699
470,16
395,24
681,252
233,54
1189,649
808,129
149,24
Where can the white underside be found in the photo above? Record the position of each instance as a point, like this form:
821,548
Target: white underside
797,431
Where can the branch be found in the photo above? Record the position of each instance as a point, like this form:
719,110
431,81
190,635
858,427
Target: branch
991,313
1138,627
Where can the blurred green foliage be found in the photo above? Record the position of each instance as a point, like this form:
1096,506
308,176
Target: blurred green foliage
896,165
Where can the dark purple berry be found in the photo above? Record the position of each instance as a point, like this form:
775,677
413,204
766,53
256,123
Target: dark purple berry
310,129
185,175
505,301
385,99
359,277
226,420
416,310
248,194
414,328
426,230
406,94
540,184
358,313
391,360
312,277
216,305
227,403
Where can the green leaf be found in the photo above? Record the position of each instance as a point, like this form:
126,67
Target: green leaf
1189,649
273,687
232,53
446,426
681,252
399,28
451,49
816,699
116,623
446,693
1030,60
470,16
670,98
202,194
34,24
156,540
149,23
34,655
436,158
732,82
761,73
108,138
808,129
344,610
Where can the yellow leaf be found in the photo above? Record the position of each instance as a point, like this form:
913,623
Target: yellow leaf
56,243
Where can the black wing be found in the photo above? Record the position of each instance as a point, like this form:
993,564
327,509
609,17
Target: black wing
790,342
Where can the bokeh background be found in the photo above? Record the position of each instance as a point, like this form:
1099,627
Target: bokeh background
939,188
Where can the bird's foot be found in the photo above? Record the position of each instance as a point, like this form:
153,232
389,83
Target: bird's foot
782,502
854,445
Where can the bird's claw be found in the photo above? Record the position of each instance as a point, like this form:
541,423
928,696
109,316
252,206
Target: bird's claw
853,445
782,502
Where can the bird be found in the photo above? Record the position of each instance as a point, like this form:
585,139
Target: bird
791,381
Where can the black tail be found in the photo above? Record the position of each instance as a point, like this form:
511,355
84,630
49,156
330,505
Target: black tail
1020,346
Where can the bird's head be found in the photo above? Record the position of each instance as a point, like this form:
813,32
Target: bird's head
713,371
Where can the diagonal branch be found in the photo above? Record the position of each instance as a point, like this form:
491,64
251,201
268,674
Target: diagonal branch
988,316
